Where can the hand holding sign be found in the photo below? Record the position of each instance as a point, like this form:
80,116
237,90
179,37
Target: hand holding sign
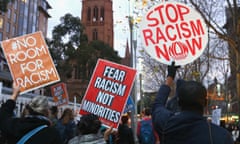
172,70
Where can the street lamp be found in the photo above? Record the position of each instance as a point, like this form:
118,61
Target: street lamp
141,74
141,93
228,105
133,46
218,87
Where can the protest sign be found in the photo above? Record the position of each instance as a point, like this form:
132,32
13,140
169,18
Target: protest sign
30,62
173,31
130,106
216,116
60,94
108,91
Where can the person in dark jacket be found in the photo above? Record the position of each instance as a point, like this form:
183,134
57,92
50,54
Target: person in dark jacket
187,126
89,131
66,125
54,115
15,128
124,134
153,135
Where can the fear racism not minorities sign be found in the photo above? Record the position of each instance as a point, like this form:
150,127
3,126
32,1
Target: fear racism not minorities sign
30,62
108,92
60,94
173,31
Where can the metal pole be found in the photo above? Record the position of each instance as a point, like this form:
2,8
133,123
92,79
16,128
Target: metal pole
226,96
238,81
133,93
141,93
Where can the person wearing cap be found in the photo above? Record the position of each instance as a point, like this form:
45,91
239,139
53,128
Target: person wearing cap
16,128
186,124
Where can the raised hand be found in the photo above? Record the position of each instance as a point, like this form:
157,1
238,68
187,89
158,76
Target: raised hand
172,70
15,91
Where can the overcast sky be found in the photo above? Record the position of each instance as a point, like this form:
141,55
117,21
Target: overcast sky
120,8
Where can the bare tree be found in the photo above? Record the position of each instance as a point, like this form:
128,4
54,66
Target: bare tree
224,23
214,57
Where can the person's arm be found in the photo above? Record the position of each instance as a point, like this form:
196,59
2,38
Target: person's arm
165,89
107,134
159,111
6,111
15,93
169,81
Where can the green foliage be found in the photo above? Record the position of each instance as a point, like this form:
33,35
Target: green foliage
147,100
105,51
3,5
71,51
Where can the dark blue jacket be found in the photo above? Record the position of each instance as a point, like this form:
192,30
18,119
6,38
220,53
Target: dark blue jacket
184,127
15,128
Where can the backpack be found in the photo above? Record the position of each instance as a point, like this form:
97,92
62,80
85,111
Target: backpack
146,132
27,136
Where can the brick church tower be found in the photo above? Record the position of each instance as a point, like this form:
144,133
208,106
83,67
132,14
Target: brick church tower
97,18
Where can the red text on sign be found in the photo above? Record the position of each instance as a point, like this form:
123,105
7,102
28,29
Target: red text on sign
183,30
171,12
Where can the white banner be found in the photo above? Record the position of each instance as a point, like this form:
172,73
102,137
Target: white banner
216,116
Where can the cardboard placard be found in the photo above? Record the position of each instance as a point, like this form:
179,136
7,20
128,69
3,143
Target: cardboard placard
30,62
60,94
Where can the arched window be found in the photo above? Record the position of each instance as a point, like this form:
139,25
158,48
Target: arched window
95,34
95,14
89,14
102,14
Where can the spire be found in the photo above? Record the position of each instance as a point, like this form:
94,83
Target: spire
126,60
127,52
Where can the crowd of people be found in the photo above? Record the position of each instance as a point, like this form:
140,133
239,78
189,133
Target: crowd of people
233,129
39,123
176,121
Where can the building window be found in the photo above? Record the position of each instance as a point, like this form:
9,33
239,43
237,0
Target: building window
108,39
95,34
8,27
9,14
89,14
76,72
13,31
1,23
15,4
44,5
14,17
102,14
95,14
1,36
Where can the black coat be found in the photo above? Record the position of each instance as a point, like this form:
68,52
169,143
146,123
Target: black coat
125,135
15,128
184,127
